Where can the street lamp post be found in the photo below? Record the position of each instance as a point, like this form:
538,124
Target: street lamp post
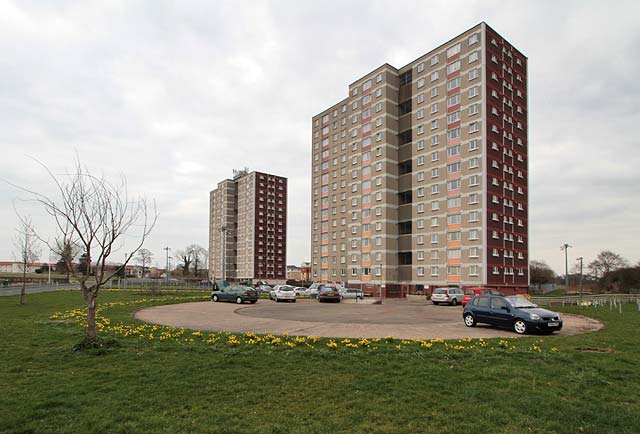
166,274
580,259
124,270
49,268
566,247
223,230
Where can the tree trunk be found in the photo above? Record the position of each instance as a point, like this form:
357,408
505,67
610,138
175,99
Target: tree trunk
23,290
92,330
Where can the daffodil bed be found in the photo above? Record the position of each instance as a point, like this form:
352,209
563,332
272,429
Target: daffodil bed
152,332
167,380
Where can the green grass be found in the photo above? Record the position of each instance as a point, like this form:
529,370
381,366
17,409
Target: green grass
173,387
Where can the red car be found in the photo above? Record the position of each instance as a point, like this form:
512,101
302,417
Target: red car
469,293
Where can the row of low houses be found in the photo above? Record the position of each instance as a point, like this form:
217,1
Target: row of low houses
134,271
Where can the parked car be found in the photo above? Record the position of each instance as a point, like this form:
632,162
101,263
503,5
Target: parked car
236,293
469,293
351,293
283,292
329,293
315,288
451,296
301,291
263,289
513,312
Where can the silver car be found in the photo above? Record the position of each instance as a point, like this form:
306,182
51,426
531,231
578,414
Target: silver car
452,296
351,293
283,292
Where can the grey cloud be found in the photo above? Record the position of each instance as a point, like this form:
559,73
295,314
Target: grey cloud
175,95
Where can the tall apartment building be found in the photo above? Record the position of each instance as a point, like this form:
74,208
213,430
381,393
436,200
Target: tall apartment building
419,176
248,222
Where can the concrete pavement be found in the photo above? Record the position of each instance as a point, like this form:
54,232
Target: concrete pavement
406,319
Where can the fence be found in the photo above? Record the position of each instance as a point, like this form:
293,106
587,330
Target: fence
588,300
158,285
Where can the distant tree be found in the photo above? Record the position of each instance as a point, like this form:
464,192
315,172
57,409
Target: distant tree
83,266
184,261
540,273
93,216
67,256
605,262
623,279
199,255
144,258
26,250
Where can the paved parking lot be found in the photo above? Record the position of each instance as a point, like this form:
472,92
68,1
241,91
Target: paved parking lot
403,319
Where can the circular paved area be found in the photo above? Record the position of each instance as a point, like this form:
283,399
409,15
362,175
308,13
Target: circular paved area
401,319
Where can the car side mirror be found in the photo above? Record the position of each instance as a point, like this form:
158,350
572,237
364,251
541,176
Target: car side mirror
505,308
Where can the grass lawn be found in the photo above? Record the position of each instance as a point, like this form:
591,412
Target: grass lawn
179,382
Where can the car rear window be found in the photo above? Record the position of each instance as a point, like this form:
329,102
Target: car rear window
469,292
440,291
286,288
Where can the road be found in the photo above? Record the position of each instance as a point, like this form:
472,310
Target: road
32,289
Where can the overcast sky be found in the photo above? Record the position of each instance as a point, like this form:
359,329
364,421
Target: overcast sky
174,95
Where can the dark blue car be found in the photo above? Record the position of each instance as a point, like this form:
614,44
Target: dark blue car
513,312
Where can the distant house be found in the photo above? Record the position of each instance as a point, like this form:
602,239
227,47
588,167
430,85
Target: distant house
301,273
16,267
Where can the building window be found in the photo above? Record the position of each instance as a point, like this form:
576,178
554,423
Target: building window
452,51
453,67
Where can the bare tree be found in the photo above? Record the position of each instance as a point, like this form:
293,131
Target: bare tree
144,257
605,262
185,258
27,251
93,216
199,255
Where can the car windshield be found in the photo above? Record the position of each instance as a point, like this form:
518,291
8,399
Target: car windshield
520,302
440,291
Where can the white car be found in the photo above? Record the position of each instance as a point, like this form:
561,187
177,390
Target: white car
283,292
301,291
351,293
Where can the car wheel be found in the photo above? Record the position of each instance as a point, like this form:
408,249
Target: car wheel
239,300
436,303
469,320
519,326
215,298
293,300
454,302
253,301
275,299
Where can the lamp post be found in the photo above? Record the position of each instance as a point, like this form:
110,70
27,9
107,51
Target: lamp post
166,274
124,270
223,230
49,268
566,247
580,288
